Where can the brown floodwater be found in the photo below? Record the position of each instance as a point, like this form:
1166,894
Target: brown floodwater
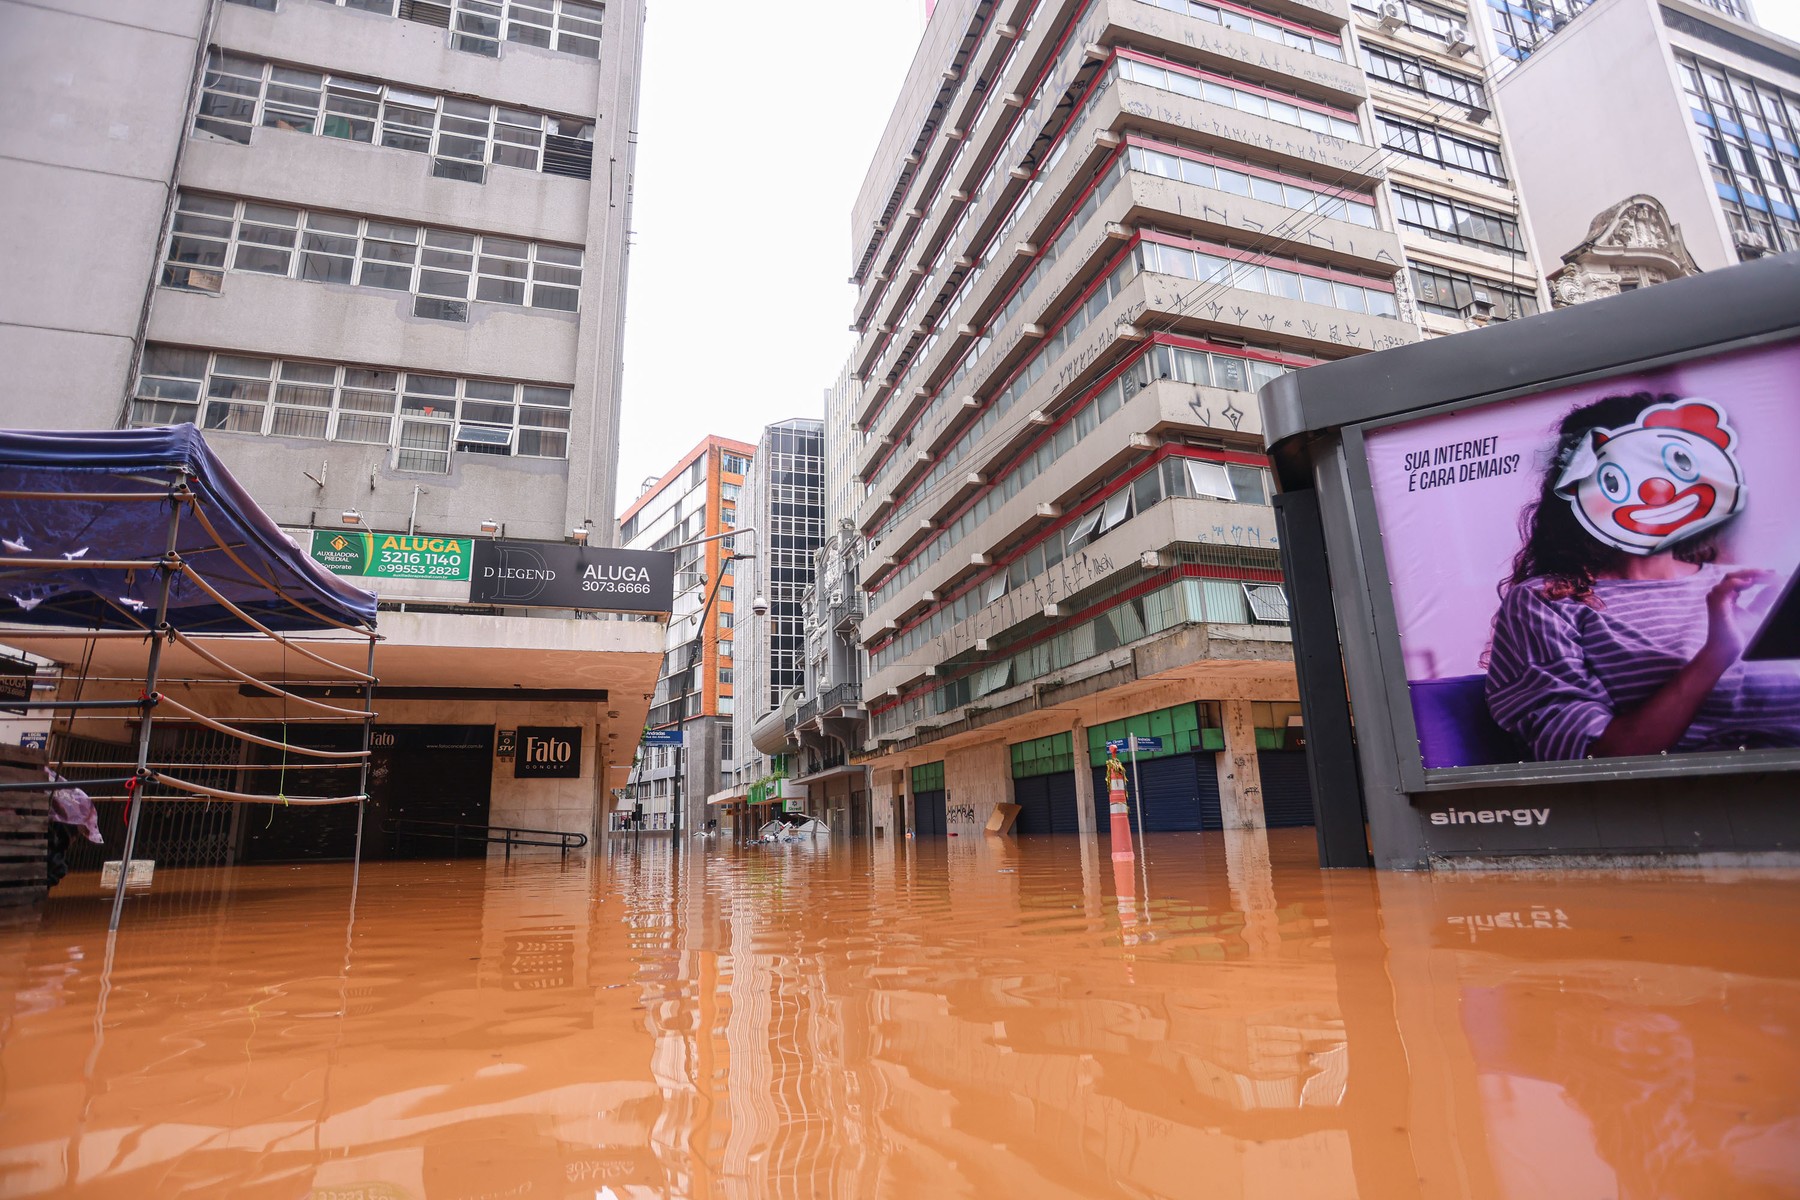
972,1017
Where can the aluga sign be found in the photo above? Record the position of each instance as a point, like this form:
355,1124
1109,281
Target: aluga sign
560,575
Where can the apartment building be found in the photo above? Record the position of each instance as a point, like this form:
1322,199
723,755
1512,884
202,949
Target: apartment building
1448,180
784,501
692,509
376,250
1518,30
1091,230
1682,104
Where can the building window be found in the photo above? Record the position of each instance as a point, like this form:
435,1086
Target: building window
462,137
1421,18
1415,75
1269,29
1242,179
1222,90
420,417
734,464
442,268
1446,150
1750,132
479,26
1453,294
1521,28
725,676
725,744
1454,221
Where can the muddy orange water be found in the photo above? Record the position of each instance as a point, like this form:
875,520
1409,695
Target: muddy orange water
975,1017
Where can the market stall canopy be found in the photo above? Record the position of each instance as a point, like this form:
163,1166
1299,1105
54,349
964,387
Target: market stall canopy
72,498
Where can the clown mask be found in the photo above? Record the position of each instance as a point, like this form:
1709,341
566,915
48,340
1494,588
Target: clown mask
1645,487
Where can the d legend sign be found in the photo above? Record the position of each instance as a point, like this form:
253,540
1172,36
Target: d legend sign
548,752
561,575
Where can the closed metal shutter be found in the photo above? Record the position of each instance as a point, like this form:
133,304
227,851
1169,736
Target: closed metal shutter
1181,793
1046,804
929,817
1287,792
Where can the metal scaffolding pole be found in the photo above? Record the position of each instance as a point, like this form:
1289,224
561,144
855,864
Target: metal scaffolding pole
159,633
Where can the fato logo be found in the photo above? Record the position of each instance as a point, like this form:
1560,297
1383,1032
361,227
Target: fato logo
548,752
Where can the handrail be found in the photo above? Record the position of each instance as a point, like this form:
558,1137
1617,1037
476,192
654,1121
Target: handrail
509,835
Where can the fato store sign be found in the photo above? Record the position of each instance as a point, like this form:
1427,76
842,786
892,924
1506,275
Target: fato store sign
391,555
562,575
548,752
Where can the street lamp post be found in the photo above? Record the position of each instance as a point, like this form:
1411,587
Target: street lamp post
690,668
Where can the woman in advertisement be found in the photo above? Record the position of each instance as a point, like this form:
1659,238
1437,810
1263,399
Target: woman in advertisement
1618,631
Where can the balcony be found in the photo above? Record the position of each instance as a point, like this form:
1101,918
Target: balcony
846,615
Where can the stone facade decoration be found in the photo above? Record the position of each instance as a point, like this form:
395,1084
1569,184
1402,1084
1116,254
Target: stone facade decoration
1633,244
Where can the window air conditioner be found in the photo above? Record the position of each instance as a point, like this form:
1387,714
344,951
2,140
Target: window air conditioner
1392,14
1460,43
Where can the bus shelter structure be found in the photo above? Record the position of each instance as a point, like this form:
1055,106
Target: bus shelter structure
142,534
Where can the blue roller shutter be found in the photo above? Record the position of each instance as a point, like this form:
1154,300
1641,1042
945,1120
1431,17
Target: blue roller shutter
1046,804
1287,792
1181,793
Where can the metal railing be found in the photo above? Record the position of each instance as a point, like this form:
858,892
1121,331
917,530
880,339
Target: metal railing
458,832
844,695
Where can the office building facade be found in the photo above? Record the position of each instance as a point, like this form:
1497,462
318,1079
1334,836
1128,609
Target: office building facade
1090,232
784,499
692,509
1681,104
376,250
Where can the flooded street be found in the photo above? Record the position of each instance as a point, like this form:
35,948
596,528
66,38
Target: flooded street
971,1017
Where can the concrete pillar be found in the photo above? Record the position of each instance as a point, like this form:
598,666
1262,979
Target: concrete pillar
1084,781
1240,779
904,790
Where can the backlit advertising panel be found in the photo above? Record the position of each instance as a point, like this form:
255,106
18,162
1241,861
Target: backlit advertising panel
1602,571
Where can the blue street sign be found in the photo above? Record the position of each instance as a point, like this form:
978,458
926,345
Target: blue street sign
662,737
1143,743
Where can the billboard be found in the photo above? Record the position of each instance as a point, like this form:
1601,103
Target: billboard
1600,571
391,555
564,575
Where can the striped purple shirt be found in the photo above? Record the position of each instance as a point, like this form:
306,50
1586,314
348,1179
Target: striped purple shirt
1560,669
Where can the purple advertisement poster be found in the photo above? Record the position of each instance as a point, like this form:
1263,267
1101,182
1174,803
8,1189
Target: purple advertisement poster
1603,570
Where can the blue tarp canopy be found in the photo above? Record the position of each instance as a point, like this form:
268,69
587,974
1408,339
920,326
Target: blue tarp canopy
223,536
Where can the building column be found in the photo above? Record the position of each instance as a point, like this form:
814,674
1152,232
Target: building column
1240,779
905,791
1084,781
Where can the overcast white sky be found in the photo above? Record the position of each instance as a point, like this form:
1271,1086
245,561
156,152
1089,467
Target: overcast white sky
757,124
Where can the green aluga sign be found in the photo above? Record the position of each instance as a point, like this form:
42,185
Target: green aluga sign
392,555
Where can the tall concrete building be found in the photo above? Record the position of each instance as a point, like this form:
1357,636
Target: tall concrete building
376,250
1091,230
784,501
1448,183
694,505
1683,106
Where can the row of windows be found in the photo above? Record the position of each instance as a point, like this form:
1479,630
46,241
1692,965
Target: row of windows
1307,283
1421,18
1169,161
479,26
1274,276
1232,17
1215,89
1452,292
1206,368
1047,257
1523,27
420,417
444,269
1106,290
1750,132
1416,75
1209,170
1185,601
1175,478
1455,221
1447,150
462,136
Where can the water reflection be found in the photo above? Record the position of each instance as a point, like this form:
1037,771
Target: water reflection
971,1016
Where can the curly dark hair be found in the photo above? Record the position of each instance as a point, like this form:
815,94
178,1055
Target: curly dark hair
1553,545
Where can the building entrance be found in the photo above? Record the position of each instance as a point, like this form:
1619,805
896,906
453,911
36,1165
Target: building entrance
429,791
